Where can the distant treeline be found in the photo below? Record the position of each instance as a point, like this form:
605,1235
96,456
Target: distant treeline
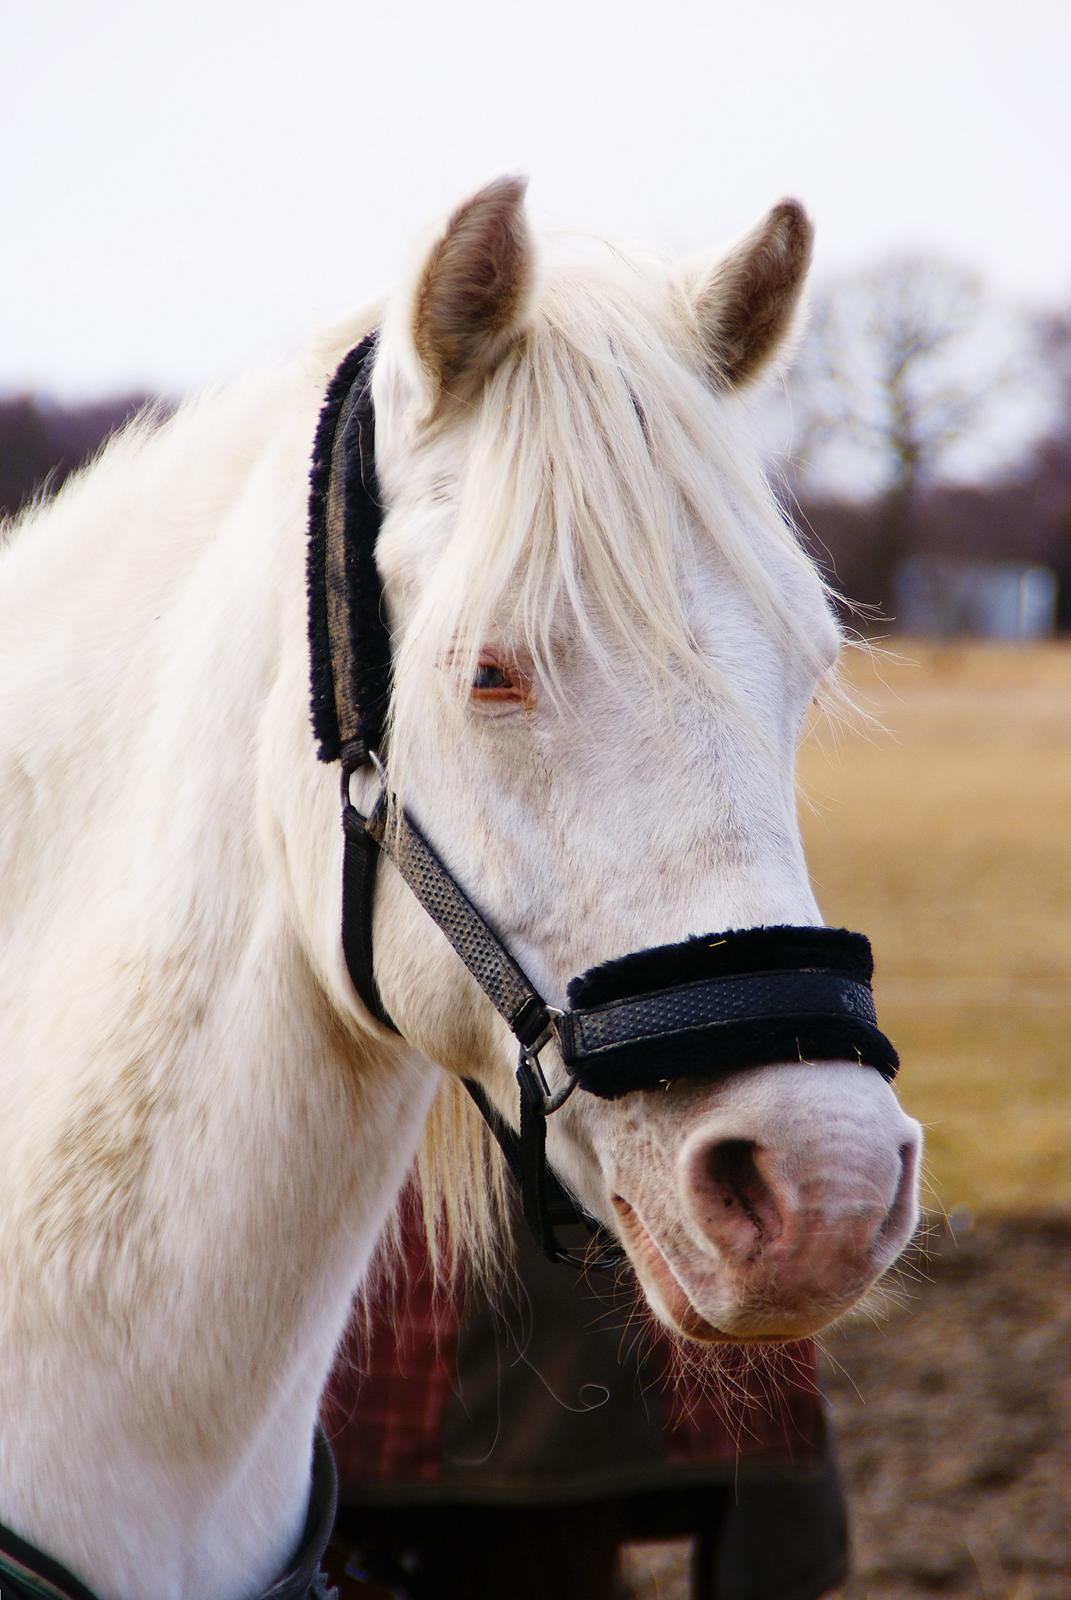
1026,518
1022,519
42,442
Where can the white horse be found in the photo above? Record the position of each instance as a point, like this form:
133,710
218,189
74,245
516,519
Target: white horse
606,639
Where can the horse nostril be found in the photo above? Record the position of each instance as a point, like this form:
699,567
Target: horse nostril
735,1184
900,1217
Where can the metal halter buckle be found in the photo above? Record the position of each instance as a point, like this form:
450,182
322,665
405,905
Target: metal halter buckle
530,1075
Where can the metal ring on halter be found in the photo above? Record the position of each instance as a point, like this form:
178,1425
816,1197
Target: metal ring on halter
354,763
530,1074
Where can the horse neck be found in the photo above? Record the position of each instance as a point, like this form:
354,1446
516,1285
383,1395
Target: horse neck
199,1155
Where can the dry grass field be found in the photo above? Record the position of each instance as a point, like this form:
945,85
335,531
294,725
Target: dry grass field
944,832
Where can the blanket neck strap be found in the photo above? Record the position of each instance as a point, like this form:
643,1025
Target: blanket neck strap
26,1573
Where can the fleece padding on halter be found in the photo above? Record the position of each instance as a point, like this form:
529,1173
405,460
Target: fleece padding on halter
708,1005
720,1002
349,638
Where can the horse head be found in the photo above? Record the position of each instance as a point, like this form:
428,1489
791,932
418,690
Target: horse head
605,642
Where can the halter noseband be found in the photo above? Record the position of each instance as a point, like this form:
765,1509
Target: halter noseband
708,1005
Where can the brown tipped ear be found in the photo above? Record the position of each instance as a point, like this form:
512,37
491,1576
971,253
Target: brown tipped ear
746,306
474,287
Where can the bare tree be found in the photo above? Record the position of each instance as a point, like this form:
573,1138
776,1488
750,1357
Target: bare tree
900,383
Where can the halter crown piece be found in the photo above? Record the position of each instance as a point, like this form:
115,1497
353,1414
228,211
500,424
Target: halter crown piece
713,1004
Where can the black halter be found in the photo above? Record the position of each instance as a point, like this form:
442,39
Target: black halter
713,1004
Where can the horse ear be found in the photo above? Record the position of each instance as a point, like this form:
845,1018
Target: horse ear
747,304
474,288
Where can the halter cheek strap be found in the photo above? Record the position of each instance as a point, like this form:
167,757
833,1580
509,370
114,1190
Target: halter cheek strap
545,1203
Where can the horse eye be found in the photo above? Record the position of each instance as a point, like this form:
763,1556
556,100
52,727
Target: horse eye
488,676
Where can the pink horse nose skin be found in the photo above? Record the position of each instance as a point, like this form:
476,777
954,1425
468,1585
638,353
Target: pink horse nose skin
814,1237
737,1199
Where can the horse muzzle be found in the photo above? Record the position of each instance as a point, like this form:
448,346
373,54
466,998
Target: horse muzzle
791,1196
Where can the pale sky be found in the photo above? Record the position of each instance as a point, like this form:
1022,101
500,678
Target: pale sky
191,187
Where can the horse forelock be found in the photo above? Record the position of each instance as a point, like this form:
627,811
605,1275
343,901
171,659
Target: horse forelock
574,494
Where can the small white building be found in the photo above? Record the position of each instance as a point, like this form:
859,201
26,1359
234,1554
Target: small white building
938,597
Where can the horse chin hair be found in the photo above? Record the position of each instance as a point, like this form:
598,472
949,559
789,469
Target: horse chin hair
746,1385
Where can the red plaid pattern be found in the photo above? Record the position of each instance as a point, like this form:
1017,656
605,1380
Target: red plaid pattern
385,1407
764,1405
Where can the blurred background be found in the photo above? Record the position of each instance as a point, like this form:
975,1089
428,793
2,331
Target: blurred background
189,192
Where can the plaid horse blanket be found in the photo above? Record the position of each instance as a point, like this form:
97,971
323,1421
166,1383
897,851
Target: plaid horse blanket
565,1394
